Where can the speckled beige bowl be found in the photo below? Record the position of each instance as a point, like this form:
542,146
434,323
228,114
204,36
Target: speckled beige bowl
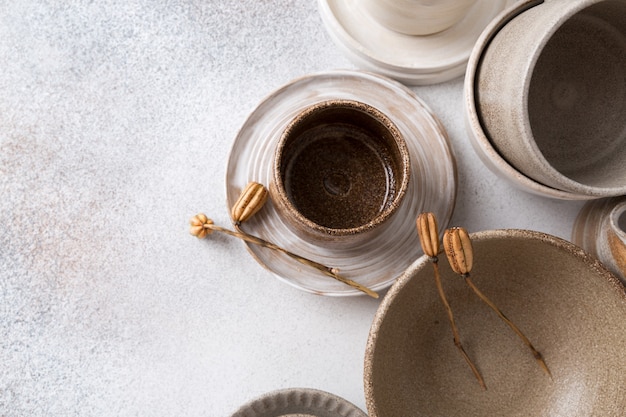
565,301
551,94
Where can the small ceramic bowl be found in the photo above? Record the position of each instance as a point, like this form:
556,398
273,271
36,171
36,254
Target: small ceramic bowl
341,171
600,229
564,300
299,402
550,92
477,134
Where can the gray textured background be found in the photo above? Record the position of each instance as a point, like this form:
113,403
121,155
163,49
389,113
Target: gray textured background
116,120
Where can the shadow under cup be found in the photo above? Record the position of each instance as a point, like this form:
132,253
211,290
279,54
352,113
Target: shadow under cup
341,169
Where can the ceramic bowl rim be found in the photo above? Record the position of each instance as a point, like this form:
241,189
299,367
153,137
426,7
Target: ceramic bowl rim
481,141
478,138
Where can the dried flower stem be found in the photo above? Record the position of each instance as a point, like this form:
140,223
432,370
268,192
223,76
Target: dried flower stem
428,232
455,332
458,248
537,355
331,272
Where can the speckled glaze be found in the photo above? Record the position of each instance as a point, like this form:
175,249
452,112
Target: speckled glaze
417,17
600,229
564,300
551,94
341,170
376,262
299,402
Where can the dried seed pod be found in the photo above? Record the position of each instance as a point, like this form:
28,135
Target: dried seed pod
198,228
428,232
458,248
251,199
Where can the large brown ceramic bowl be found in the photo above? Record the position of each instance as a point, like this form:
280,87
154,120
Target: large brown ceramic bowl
567,303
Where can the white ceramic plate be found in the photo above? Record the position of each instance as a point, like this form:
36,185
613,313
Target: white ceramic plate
413,60
305,402
378,262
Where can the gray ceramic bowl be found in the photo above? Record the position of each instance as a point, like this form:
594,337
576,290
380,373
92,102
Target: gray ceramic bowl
298,402
566,302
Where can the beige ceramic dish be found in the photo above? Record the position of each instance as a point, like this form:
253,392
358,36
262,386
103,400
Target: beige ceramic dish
485,149
377,262
600,229
565,301
413,60
299,402
550,91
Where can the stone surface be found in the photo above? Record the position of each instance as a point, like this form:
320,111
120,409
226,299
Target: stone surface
116,121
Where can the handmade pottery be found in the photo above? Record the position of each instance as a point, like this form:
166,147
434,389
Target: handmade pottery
341,170
565,301
299,402
418,17
479,140
357,30
550,93
600,229
375,262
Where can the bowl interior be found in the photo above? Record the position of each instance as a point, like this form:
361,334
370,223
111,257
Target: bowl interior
569,306
577,96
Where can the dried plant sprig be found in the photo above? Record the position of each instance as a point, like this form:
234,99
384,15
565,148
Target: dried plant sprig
202,226
428,232
458,249
252,198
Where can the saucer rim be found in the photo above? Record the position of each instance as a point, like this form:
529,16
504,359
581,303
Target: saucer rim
447,200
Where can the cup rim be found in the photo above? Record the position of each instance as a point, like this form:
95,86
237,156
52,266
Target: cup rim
616,220
278,188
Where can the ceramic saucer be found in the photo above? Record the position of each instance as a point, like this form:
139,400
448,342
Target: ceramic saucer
379,261
413,60
296,402
485,150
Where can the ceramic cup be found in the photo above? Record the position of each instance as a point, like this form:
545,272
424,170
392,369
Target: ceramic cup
551,94
417,17
600,229
341,170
